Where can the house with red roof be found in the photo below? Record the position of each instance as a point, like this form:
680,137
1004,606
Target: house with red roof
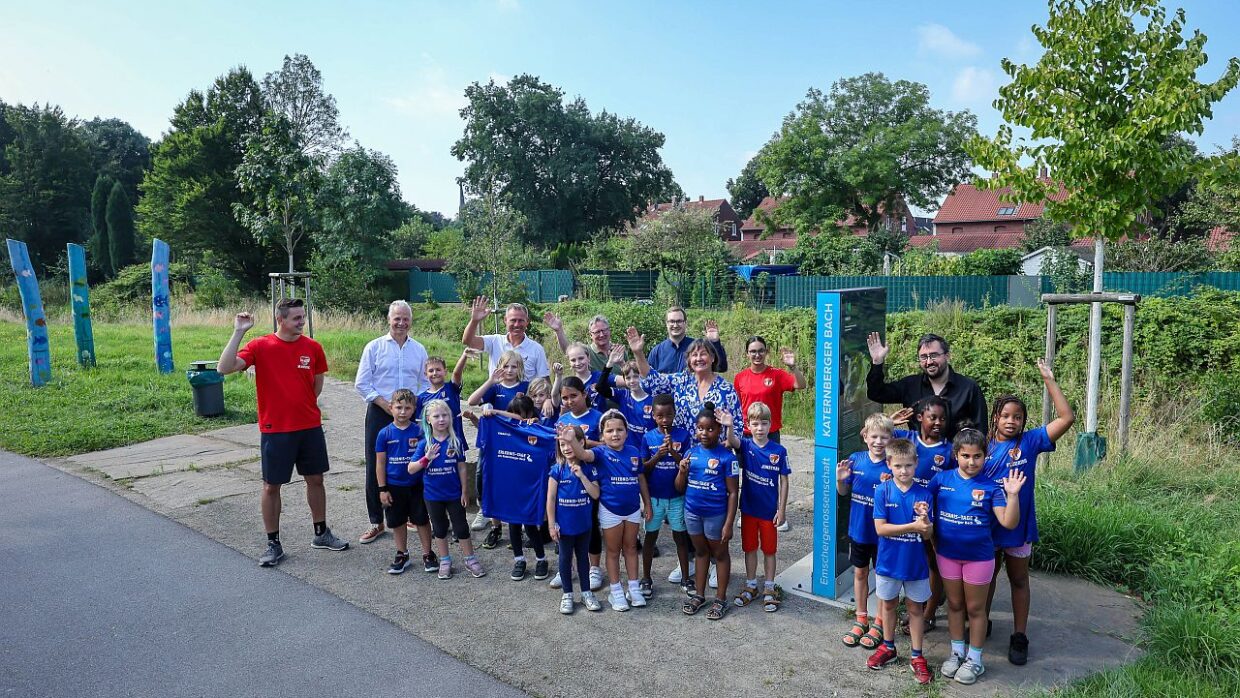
727,223
752,244
973,219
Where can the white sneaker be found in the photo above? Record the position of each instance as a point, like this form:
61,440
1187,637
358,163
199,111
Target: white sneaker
713,582
566,604
596,578
952,665
480,522
618,601
636,598
675,577
969,672
784,527
591,601
556,583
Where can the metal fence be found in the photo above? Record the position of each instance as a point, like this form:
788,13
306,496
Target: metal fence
903,292
1168,284
542,285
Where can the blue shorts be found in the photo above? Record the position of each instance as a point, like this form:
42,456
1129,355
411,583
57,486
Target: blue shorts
672,510
709,526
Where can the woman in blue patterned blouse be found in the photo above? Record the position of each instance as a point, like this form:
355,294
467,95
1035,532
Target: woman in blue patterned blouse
698,385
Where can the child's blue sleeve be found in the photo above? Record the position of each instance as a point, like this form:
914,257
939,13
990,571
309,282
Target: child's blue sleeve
880,503
381,441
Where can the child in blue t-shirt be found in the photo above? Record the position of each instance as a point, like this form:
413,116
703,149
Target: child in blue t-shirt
857,477
662,450
572,488
1011,447
435,370
930,417
633,401
709,476
764,498
901,519
622,500
577,410
440,458
400,493
497,391
966,504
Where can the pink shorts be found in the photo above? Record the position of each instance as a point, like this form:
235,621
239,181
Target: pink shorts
975,572
1023,551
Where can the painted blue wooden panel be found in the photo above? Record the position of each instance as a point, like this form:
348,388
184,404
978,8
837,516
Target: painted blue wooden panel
161,306
32,309
79,293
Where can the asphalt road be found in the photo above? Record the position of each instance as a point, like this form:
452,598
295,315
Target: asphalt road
101,597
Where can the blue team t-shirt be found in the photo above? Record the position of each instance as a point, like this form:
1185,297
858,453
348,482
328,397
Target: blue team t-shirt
662,479
931,460
441,481
1022,454
587,421
450,393
901,557
398,445
706,492
639,413
499,395
762,466
573,509
518,457
865,478
618,472
963,514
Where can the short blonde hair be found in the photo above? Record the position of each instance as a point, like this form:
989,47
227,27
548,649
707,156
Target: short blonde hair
511,356
758,410
878,422
539,386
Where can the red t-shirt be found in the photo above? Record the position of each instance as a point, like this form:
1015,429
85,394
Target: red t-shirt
766,387
284,373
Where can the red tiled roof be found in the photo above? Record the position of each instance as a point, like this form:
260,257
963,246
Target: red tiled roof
748,249
751,226
964,243
968,204
1219,239
654,211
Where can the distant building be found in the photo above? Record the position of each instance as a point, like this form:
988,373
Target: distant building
1031,264
727,223
752,244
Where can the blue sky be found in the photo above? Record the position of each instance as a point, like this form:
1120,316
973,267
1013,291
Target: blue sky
715,77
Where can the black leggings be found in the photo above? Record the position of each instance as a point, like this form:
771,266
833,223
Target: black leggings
439,514
536,540
376,419
596,533
574,547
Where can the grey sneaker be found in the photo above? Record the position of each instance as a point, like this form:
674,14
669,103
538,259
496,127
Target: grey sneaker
566,604
556,582
273,555
784,527
618,601
590,601
951,666
969,672
328,541
480,522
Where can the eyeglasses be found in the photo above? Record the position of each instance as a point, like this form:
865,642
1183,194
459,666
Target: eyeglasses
928,357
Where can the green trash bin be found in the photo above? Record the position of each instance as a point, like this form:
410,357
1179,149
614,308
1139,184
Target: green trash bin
208,387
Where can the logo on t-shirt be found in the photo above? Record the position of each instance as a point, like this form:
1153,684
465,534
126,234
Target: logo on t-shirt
712,465
413,441
979,496
647,409
768,382
532,439
303,362
1014,454
938,459
634,460
676,446
884,477
774,459
451,452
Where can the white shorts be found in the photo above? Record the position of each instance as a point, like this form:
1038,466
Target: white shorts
607,520
917,591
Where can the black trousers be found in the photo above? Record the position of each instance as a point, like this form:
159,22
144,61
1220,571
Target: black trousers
376,419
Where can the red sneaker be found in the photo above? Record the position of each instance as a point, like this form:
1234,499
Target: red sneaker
882,656
921,670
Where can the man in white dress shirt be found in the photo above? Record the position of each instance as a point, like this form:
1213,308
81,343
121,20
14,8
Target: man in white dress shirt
516,320
388,363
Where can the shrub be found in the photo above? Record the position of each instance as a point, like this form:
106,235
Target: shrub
214,289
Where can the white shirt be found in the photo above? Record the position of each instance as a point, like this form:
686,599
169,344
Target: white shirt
531,353
387,366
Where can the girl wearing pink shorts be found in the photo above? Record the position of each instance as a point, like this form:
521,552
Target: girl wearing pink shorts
965,507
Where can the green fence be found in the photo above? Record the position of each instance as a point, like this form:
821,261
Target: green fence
903,292
542,285
1167,284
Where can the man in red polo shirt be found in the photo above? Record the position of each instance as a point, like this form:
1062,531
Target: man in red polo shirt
288,370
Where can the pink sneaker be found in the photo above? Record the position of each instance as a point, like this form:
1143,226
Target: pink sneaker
474,567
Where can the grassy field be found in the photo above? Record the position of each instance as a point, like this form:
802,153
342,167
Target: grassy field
1162,523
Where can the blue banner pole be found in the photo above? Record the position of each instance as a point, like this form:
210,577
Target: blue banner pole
79,292
32,309
161,306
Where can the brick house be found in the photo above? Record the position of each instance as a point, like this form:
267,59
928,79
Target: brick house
727,223
972,219
751,243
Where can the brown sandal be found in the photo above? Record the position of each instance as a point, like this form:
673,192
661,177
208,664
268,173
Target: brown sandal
852,638
873,638
718,609
772,599
746,597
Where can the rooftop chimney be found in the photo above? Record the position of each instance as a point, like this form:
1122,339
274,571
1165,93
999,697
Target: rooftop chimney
701,198
1042,172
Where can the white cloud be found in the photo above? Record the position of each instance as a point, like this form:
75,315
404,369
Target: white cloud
974,86
938,40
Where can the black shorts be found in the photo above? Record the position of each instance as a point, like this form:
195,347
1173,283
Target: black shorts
862,554
305,449
407,506
443,513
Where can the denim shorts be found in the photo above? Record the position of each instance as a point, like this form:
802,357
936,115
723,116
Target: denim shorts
709,526
672,510
917,590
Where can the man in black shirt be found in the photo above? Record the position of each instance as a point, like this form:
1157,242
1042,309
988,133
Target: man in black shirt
962,394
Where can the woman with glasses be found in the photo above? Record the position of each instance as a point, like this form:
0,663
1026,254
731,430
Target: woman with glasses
767,384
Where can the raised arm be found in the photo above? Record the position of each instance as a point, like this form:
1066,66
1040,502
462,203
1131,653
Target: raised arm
477,313
721,355
1009,515
475,398
637,345
458,373
877,388
790,360
556,325
229,362
1064,417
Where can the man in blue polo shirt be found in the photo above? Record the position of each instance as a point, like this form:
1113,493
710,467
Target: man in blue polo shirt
668,356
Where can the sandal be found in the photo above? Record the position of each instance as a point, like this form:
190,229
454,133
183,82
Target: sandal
873,638
693,604
852,638
718,609
747,595
772,599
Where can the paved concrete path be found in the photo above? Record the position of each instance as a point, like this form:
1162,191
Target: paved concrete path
104,598
512,630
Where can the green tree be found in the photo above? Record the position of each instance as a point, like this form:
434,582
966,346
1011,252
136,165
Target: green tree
408,240
100,248
568,172
359,205
118,151
296,93
1044,232
683,241
1215,199
926,261
988,262
189,193
491,252
283,181
1156,253
1116,81
747,190
120,228
834,252
46,182
866,148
